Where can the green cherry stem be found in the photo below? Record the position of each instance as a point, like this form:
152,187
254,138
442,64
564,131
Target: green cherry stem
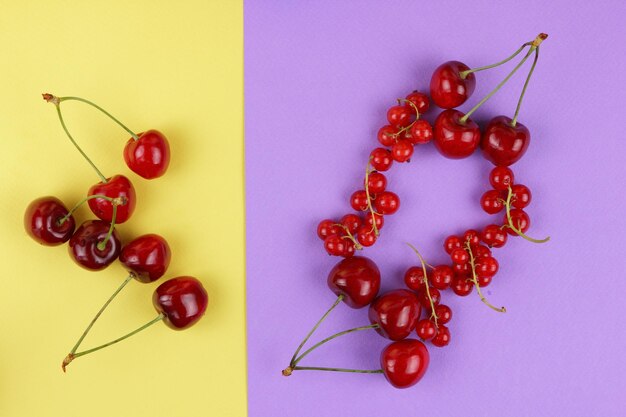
464,74
475,281
317,368
521,97
533,46
120,201
432,303
507,205
56,101
69,358
103,243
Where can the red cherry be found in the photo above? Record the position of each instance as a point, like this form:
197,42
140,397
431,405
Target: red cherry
404,362
117,186
459,256
502,143
42,221
366,236
447,88
451,243
486,267
453,138
421,132
352,222
400,116
521,196
462,286
335,245
357,279
376,182
380,220
402,151
326,228
501,178
441,277
146,257
491,201
425,329
442,338
149,156
414,278
381,159
420,100
396,313
358,200
183,300
520,220
387,135
494,236
83,246
387,203
443,313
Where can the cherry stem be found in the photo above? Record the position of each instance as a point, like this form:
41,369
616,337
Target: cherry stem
319,322
103,243
56,101
519,232
99,313
69,358
329,338
521,97
475,280
464,74
433,315
369,198
317,368
121,201
533,45
92,104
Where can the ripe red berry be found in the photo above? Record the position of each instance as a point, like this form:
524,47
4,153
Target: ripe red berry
402,151
481,251
441,277
451,243
387,135
376,182
414,278
486,267
492,201
443,313
349,249
352,222
400,115
421,132
380,220
521,196
420,100
425,329
501,178
520,220
387,203
483,281
381,159
365,235
462,269
335,245
358,200
459,256
326,228
434,294
462,286
494,236
442,338
471,236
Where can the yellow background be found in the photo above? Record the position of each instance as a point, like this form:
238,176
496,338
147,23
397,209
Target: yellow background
172,66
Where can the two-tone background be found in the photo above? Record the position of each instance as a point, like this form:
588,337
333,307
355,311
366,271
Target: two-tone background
310,81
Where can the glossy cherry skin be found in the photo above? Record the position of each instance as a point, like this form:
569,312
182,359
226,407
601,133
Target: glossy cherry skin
149,156
454,139
396,313
502,143
83,246
404,362
116,186
41,221
146,257
357,279
183,300
447,88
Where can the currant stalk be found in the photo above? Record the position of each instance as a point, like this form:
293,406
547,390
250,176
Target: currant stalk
369,197
475,281
507,205
433,315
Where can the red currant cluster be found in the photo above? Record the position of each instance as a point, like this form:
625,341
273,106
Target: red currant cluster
180,302
396,314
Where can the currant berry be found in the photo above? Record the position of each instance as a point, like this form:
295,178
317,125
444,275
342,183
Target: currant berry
370,218
387,203
487,267
441,277
381,159
494,236
521,196
365,235
400,115
435,295
483,281
459,256
462,269
481,251
492,201
520,220
421,132
462,286
335,245
349,249
471,236
387,135
376,182
451,243
443,313
420,100
414,278
326,228
442,338
501,178
352,222
425,329
358,200
402,151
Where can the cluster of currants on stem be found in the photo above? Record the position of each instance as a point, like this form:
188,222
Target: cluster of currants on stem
355,280
95,244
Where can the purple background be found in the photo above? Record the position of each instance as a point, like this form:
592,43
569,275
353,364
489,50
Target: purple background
319,77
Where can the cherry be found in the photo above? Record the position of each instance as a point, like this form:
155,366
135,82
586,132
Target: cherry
504,143
357,279
358,200
402,151
420,100
494,236
451,243
455,137
501,178
404,362
421,132
425,329
326,228
442,338
521,196
43,221
387,135
366,236
519,219
448,88
371,218
441,277
414,278
462,286
443,313
376,182
486,267
335,245
352,222
400,116
146,257
492,201
396,313
183,301
459,256
387,203
92,248
116,187
381,159
149,155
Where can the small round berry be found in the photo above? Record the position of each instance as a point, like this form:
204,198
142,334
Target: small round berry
335,245
376,182
387,203
501,178
380,220
421,132
400,115
349,249
425,329
326,228
451,243
402,151
483,281
414,278
520,220
460,256
352,222
441,277
443,313
521,196
462,269
381,159
492,201
358,200
487,267
471,236
387,135
494,236
434,294
442,338
481,251
365,236
420,100
462,286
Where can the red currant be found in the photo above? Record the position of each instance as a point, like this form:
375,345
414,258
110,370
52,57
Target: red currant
471,236
376,182
442,338
521,196
481,251
425,329
462,269
365,236
358,200
335,245
400,115
451,243
460,256
420,100
387,203
520,220
421,132
349,249
501,178
462,286
352,222
434,294
441,277
387,135
402,151
484,280
443,313
381,159
380,220
492,201
494,236
486,267
414,278
326,228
